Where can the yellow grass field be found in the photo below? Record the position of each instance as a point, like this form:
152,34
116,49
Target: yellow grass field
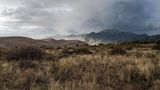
88,68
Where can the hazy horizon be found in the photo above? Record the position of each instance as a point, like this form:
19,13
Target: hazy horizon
45,18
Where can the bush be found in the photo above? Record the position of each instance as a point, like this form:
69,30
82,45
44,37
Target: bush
22,53
70,51
1,53
82,51
157,46
26,65
158,42
67,51
117,51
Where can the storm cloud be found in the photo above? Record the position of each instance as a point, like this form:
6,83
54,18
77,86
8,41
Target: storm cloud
42,18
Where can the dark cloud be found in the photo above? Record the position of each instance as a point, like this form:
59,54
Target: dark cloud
133,16
126,15
61,17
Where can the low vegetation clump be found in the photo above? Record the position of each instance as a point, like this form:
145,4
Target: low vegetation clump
1,52
24,53
118,50
82,51
86,68
157,46
75,51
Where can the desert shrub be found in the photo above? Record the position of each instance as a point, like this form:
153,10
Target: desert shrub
30,53
150,55
82,51
1,53
156,47
27,64
158,42
67,51
156,85
117,50
138,53
129,47
71,51
110,45
50,56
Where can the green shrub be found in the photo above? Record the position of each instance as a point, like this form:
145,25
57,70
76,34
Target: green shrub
23,53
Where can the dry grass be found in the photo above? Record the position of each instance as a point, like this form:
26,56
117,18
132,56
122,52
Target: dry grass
96,71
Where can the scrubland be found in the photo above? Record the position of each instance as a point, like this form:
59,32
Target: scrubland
101,67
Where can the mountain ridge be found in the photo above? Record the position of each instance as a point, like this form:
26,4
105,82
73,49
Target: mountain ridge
112,36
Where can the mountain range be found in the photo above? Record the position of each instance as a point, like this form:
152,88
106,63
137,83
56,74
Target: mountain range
112,36
102,37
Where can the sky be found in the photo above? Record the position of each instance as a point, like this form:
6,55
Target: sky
45,18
